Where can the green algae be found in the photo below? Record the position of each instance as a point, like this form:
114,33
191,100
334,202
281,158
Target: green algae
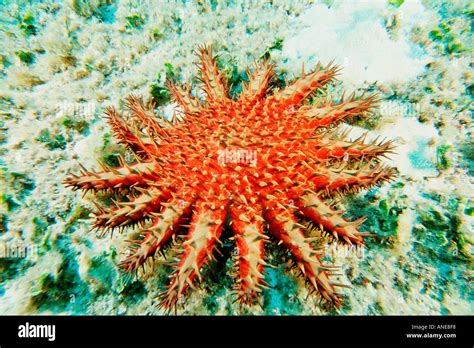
104,274
440,235
159,94
62,291
9,201
52,141
381,215
92,8
11,268
25,57
282,297
134,21
169,71
111,159
217,274
232,75
442,157
111,151
396,3
3,223
469,211
211,304
27,24
79,213
448,37
41,231
20,185
80,126
156,34
465,149
133,293
40,226
276,46
177,23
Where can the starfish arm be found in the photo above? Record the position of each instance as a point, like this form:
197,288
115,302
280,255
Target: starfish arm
257,87
352,180
125,135
183,97
314,209
144,116
213,81
152,239
114,178
332,114
205,230
346,178
132,212
297,91
139,251
247,225
284,227
339,149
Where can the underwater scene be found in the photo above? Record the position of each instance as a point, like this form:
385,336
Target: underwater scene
236,157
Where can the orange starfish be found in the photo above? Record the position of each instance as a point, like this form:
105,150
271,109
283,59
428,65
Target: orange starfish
253,165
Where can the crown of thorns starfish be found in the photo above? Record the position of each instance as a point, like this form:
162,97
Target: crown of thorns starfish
181,184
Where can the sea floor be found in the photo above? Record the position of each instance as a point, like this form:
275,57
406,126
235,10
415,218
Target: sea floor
63,62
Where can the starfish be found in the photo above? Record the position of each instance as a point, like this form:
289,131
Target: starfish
258,165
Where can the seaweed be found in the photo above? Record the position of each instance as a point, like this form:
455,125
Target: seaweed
440,236
382,217
11,267
156,34
277,45
469,211
111,151
103,273
100,9
58,292
159,94
80,126
217,273
233,75
134,292
52,142
448,38
134,21
442,157
169,71
9,201
27,24
282,297
396,3
3,223
22,185
41,225
79,213
211,304
25,57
